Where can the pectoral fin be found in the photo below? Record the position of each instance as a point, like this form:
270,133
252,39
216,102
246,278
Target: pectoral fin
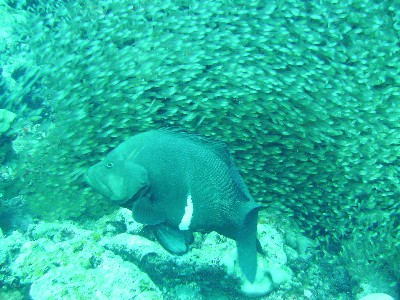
247,244
173,240
144,212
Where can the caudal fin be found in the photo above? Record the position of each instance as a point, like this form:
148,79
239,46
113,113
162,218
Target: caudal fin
247,245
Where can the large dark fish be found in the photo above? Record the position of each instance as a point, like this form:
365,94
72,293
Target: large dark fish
180,183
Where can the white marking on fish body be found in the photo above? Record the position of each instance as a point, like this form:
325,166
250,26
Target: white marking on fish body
187,216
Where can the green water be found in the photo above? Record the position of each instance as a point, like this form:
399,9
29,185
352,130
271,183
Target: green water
305,94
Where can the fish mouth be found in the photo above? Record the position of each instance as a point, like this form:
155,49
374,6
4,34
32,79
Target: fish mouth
97,184
110,186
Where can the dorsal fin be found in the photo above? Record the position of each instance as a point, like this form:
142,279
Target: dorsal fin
218,148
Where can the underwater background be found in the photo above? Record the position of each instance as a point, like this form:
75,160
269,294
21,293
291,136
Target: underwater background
306,95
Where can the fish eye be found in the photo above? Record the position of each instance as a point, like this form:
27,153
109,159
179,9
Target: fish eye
109,165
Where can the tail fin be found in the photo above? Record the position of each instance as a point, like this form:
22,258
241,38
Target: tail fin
247,244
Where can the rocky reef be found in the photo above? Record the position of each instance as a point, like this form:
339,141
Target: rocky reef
117,258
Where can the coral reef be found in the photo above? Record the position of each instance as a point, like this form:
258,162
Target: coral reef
58,260
115,257
6,118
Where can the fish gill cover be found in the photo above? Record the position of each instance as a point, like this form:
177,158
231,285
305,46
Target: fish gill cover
306,94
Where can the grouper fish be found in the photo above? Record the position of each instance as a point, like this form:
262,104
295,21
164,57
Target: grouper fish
180,183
